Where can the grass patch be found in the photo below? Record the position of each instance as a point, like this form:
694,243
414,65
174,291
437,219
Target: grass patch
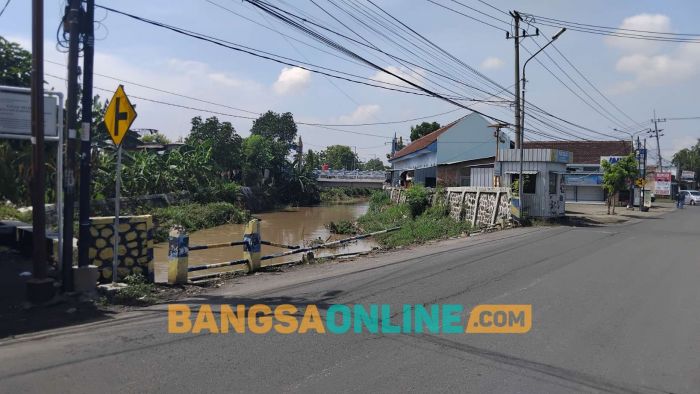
9,212
342,227
433,223
341,194
138,292
196,217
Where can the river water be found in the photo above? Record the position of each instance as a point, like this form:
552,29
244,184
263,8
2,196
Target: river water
291,226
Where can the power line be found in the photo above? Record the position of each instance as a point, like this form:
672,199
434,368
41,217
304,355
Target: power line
276,58
611,28
252,112
610,31
467,16
542,111
333,44
4,7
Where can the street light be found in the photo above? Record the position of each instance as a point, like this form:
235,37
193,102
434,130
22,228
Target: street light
522,119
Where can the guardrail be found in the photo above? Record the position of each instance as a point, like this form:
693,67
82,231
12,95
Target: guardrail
179,249
342,174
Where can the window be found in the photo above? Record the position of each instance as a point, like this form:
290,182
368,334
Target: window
530,185
552,182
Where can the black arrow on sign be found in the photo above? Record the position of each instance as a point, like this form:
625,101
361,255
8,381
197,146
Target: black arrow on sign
118,116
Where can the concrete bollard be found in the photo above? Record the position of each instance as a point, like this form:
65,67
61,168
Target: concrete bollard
251,245
178,250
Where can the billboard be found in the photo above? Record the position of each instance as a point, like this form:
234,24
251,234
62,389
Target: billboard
663,184
688,175
611,159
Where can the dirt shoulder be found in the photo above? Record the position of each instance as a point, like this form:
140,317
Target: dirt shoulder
597,214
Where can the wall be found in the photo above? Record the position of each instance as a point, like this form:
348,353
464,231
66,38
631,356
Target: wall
469,139
135,245
449,175
480,206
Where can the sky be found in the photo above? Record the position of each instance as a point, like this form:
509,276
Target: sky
639,77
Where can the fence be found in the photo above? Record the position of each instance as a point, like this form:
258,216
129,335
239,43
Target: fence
179,249
480,206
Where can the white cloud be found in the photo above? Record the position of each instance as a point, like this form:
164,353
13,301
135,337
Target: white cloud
292,80
649,63
643,22
492,63
361,114
415,76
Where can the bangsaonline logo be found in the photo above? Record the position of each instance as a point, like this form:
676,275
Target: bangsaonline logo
347,319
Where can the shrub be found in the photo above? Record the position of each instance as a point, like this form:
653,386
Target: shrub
378,199
418,199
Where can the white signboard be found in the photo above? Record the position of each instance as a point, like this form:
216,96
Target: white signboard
16,115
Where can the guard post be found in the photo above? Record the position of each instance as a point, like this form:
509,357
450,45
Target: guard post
251,245
178,250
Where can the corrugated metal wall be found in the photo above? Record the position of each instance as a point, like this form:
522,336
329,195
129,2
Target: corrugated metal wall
482,177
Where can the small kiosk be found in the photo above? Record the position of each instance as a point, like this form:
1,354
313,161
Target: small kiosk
543,174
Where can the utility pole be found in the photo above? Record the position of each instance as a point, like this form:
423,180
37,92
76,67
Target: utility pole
39,287
73,22
516,37
658,145
85,139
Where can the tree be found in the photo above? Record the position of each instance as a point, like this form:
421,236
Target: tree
688,159
374,165
279,127
423,129
617,177
258,156
312,161
15,64
221,137
339,157
16,155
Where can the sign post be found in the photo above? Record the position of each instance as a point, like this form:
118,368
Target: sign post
118,118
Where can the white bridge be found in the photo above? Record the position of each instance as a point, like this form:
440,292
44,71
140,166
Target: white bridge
354,179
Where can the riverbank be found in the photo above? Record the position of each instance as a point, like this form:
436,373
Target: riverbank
345,195
419,220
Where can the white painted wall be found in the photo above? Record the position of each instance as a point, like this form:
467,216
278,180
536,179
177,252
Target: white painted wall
469,139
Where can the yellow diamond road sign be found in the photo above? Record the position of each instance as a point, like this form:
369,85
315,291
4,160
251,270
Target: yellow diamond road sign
119,116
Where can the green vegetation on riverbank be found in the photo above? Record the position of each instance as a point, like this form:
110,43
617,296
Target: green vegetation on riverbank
345,194
9,212
419,221
196,217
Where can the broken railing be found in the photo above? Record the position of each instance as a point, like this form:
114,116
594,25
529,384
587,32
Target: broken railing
179,249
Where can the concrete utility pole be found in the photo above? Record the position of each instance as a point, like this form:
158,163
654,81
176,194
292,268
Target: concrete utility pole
658,145
516,37
73,24
497,135
39,287
89,52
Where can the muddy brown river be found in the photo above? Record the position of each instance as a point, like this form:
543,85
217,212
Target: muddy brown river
291,226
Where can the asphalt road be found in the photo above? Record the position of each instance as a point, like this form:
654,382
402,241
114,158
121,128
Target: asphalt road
615,309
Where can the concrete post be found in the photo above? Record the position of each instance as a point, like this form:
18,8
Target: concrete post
251,245
178,250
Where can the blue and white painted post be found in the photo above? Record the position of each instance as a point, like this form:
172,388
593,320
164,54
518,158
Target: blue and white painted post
251,245
178,251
